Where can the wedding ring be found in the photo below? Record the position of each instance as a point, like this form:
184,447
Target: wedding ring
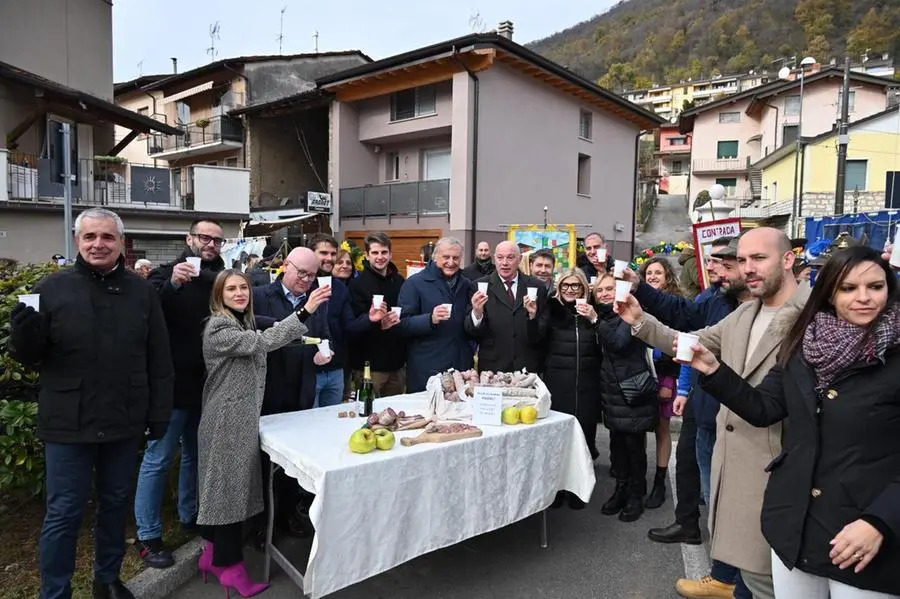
857,556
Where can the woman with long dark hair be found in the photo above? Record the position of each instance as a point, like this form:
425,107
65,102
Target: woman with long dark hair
658,273
832,505
230,489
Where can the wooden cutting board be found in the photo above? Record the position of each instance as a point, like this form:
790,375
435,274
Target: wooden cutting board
440,437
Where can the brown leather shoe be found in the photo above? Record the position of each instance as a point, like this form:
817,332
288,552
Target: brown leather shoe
704,588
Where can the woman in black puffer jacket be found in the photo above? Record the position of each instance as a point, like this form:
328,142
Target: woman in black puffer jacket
628,414
572,365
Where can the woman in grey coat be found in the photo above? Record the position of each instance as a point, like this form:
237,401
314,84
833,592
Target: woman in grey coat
228,437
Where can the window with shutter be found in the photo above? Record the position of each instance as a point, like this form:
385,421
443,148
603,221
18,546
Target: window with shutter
412,103
856,175
727,149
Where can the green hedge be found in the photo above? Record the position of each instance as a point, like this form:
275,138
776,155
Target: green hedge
21,452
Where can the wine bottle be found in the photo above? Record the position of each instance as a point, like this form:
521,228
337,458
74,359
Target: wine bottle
365,395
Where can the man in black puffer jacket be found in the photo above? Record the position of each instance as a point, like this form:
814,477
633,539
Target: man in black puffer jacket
483,265
381,346
99,341
185,295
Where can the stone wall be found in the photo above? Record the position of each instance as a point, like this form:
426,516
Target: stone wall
822,204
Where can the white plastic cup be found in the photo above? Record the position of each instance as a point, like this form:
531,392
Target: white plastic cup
532,292
324,281
895,252
377,300
580,301
482,286
325,348
623,288
397,310
31,299
195,262
449,309
686,342
593,281
619,268
601,254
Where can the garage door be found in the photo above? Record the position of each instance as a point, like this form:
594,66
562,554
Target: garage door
405,243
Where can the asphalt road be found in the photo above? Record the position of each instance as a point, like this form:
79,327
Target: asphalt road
669,222
591,556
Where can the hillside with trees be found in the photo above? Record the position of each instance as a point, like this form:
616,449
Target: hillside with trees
638,43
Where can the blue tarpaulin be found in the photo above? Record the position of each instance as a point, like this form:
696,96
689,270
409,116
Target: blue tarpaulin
878,226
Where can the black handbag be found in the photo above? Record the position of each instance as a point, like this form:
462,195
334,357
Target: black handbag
639,389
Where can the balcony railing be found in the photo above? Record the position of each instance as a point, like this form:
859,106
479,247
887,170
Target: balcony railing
396,200
125,185
216,130
721,165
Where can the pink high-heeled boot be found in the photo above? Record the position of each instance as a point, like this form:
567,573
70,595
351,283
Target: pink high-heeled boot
236,577
205,564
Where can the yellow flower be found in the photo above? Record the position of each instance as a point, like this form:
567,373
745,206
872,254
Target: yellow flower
345,245
640,261
358,263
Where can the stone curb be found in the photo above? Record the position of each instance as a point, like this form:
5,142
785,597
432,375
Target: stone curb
154,583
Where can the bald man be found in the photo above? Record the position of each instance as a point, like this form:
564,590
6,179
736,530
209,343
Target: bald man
483,265
748,341
499,320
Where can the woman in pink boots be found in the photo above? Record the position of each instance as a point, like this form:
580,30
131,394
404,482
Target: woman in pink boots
228,438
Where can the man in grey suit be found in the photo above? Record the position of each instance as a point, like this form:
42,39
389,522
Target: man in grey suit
498,319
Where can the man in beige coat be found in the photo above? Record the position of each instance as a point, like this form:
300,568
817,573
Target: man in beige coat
748,341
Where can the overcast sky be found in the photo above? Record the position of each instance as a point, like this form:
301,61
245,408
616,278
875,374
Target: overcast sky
152,32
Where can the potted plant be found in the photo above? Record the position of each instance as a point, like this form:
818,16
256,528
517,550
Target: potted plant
202,123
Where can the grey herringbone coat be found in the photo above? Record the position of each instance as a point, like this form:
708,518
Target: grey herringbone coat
228,438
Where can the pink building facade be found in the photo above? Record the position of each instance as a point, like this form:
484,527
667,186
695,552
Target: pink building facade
730,135
465,151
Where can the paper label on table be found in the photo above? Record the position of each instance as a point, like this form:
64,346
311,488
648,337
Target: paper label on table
488,406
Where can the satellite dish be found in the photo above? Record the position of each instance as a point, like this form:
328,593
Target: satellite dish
784,73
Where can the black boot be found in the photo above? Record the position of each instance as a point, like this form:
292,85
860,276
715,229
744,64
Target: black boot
658,494
618,500
633,509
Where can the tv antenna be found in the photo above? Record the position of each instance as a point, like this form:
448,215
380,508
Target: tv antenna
281,30
476,23
316,40
140,66
214,30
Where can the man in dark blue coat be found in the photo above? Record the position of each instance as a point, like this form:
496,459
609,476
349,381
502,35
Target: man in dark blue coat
698,433
435,303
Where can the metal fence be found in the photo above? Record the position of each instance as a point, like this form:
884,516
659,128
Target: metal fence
396,200
94,182
214,130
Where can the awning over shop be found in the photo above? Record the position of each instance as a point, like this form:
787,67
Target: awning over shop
256,228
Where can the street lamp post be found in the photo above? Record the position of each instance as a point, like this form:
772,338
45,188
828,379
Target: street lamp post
798,202
716,193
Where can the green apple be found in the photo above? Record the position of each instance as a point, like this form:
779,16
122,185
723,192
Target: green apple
384,439
510,415
362,441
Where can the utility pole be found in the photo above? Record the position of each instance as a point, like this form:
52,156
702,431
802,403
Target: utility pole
67,191
843,141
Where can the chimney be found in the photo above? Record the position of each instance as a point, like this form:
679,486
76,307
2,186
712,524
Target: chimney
174,65
505,30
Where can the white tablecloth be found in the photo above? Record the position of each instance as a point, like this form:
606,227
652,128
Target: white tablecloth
375,511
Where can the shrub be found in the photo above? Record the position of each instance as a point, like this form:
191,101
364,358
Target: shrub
21,452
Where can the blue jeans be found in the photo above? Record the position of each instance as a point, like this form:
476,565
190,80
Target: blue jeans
70,469
154,472
329,388
706,440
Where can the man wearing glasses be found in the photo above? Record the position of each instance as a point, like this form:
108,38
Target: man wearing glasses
184,292
290,377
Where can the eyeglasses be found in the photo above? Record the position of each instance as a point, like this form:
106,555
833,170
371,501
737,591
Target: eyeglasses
302,274
207,239
571,286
